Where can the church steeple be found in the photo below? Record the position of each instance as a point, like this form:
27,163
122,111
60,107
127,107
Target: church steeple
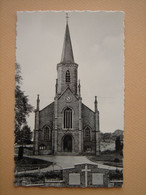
67,53
67,69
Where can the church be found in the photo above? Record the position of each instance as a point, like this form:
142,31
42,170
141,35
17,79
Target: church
67,126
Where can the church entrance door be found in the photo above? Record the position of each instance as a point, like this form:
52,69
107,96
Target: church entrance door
67,143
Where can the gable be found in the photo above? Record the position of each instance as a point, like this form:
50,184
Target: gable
67,91
88,117
67,96
47,115
68,99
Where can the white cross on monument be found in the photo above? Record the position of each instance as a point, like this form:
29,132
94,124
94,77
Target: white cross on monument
86,170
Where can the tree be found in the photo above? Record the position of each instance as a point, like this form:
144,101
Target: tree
118,144
22,107
26,135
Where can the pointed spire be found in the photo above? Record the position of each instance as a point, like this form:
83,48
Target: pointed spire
56,86
95,103
79,87
38,103
67,53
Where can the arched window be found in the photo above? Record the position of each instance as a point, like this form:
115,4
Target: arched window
87,133
67,118
47,133
67,76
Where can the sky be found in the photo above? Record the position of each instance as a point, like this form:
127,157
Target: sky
98,48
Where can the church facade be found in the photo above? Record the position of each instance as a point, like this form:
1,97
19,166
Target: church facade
67,126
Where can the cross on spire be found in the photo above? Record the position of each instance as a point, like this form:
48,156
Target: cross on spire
67,17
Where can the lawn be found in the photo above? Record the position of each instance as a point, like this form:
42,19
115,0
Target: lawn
27,163
110,158
37,178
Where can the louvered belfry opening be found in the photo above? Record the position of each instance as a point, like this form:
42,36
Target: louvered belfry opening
68,118
67,76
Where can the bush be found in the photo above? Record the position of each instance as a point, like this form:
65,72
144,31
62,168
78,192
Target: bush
54,175
116,160
116,175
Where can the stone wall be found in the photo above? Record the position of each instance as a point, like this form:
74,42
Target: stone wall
47,116
75,140
61,132
74,105
78,171
88,119
62,85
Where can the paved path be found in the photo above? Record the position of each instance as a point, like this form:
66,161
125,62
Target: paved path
65,162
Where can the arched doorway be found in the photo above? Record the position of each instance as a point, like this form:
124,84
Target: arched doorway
67,143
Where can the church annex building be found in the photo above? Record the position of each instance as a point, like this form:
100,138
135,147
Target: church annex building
67,126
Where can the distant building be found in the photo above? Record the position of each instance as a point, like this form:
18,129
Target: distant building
67,126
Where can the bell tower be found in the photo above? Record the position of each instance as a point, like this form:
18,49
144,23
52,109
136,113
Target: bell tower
67,69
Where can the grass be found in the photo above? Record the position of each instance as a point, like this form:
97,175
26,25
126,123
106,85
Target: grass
37,178
111,158
27,163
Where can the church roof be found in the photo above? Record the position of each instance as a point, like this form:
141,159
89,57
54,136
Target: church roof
86,107
47,107
67,53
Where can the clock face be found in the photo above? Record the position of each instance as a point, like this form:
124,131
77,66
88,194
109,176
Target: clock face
68,98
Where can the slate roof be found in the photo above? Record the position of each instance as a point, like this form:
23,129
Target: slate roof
67,53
